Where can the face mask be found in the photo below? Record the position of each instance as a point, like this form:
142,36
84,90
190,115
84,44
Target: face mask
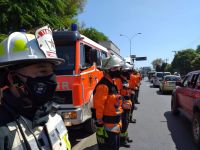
40,89
114,74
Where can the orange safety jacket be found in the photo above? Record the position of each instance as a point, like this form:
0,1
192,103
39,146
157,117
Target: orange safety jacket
138,79
133,82
125,92
107,104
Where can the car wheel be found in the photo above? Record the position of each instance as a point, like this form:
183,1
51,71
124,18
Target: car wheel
174,107
196,128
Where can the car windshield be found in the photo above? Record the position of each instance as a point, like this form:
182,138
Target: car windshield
159,75
167,73
172,78
67,52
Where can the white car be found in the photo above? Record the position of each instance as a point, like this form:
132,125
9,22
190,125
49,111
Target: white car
159,77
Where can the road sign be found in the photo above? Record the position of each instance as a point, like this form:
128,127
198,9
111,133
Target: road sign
140,58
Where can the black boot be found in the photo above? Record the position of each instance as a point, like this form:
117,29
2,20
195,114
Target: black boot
137,102
132,120
123,142
129,140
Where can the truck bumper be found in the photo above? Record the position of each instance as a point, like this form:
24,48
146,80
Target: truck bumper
74,116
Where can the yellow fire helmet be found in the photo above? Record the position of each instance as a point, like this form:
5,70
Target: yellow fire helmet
111,62
21,48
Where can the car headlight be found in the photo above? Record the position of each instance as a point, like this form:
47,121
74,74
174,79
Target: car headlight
69,115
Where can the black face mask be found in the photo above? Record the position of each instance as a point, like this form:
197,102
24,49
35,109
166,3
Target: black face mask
40,89
114,74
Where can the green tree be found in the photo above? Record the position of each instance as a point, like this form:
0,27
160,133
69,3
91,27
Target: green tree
16,14
182,61
93,34
198,49
169,68
2,36
195,63
157,63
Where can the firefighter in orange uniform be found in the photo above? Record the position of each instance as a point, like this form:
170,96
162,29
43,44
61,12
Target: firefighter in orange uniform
107,107
134,88
136,78
122,86
126,105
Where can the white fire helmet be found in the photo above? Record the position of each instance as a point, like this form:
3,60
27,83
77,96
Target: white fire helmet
112,62
127,66
21,48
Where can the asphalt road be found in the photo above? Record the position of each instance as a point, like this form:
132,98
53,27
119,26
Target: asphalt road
156,127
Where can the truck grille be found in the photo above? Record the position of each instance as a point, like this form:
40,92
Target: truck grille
63,97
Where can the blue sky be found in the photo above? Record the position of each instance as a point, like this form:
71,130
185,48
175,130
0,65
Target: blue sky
166,25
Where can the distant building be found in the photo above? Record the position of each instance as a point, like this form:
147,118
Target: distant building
111,47
145,70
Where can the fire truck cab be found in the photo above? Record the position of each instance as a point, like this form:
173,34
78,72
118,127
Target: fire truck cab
77,77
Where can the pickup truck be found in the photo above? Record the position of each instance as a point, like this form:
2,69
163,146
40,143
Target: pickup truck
186,100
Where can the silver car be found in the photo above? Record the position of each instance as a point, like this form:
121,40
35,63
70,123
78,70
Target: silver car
159,77
169,83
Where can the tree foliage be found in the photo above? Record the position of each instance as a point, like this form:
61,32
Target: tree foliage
157,63
198,49
169,68
195,65
16,14
2,36
93,34
182,61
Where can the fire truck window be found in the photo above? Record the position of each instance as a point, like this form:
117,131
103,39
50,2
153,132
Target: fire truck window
88,57
99,58
82,55
103,55
67,52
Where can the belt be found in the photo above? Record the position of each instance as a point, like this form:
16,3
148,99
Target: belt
111,119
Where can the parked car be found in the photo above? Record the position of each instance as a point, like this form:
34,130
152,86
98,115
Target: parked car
186,99
169,83
159,77
151,75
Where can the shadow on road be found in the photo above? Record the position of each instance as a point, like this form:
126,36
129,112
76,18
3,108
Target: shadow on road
159,92
76,135
181,131
151,86
165,93
94,147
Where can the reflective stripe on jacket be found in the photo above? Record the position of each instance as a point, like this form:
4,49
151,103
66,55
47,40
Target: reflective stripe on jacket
107,103
53,135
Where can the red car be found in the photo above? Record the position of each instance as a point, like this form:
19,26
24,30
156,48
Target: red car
186,99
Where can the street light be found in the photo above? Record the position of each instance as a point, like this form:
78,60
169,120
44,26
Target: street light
130,38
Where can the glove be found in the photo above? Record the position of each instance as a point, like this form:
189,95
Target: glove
102,132
101,135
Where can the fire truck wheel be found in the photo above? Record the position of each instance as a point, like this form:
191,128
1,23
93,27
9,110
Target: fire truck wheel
90,126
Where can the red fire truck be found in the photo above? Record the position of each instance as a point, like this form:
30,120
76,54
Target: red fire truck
77,77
